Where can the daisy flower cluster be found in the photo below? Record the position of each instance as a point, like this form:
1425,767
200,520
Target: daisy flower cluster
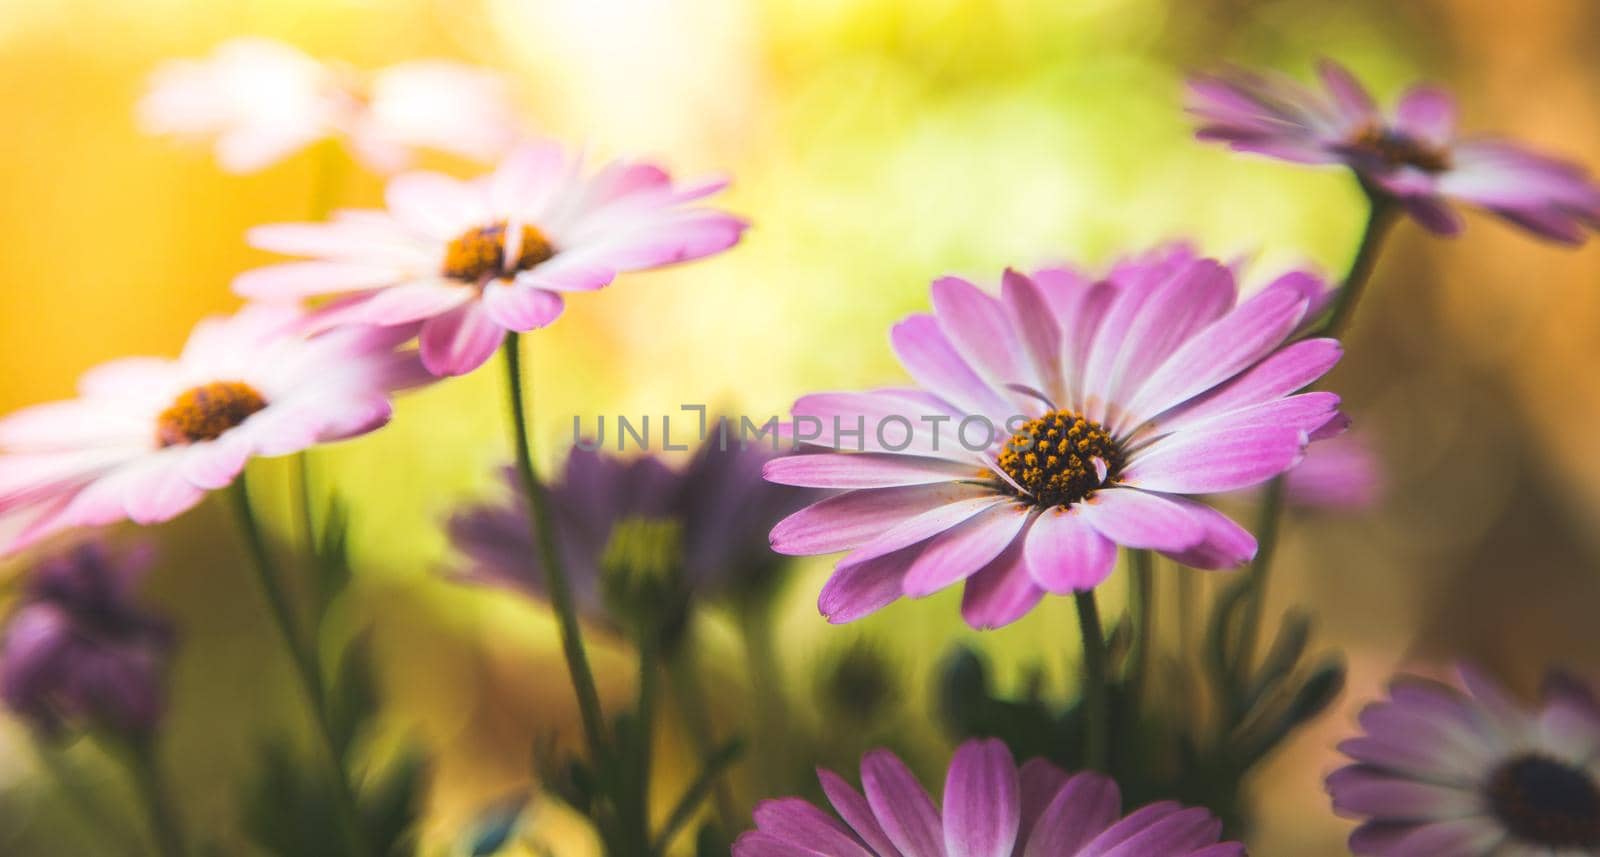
1056,425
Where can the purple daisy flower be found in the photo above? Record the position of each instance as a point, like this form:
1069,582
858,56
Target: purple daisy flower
79,650
719,502
1442,772
1412,156
1066,417
991,809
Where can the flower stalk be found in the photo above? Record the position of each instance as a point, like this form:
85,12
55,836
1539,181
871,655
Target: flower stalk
1096,697
560,588
306,667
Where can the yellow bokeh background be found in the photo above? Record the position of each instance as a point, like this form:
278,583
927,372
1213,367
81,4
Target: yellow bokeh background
875,144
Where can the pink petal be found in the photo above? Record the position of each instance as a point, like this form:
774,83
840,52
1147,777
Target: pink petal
757,844
1083,808
1225,544
1352,98
516,307
904,810
1222,350
856,812
460,340
1428,114
862,470
982,807
1029,314
1285,371
1065,554
795,820
977,325
927,354
1001,593
923,527
437,205
1138,519
396,305
858,590
1214,461
850,520
295,280
961,551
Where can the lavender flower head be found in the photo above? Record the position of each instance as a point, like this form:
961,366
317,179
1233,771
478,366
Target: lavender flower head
991,808
79,651
1474,772
1412,155
718,507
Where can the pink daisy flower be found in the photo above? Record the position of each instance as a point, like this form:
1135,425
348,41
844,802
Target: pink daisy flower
991,809
1475,773
474,259
148,437
1413,155
263,100
1053,423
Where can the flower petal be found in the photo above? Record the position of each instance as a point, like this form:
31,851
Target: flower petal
908,816
460,341
982,806
1065,554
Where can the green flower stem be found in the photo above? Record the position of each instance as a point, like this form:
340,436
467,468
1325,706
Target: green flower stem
100,823
555,574
1144,593
1268,527
1096,698
755,626
689,692
153,791
306,668
1381,216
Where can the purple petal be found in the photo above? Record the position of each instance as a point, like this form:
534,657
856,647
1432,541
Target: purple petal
1435,214
856,812
1083,808
1216,460
982,808
1428,114
936,365
1065,554
460,340
1001,593
1225,545
850,520
923,527
1286,371
755,844
1040,782
862,470
520,308
1222,350
794,820
1353,100
960,552
1138,519
977,325
858,590
903,809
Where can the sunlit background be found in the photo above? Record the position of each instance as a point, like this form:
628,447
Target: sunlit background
875,144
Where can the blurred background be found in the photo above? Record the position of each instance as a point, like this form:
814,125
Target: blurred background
875,144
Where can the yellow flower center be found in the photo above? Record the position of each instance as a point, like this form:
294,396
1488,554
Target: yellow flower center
207,412
1399,150
1061,458
479,254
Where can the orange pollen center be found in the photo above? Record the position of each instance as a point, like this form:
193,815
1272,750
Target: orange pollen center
1059,458
207,412
479,254
1400,150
